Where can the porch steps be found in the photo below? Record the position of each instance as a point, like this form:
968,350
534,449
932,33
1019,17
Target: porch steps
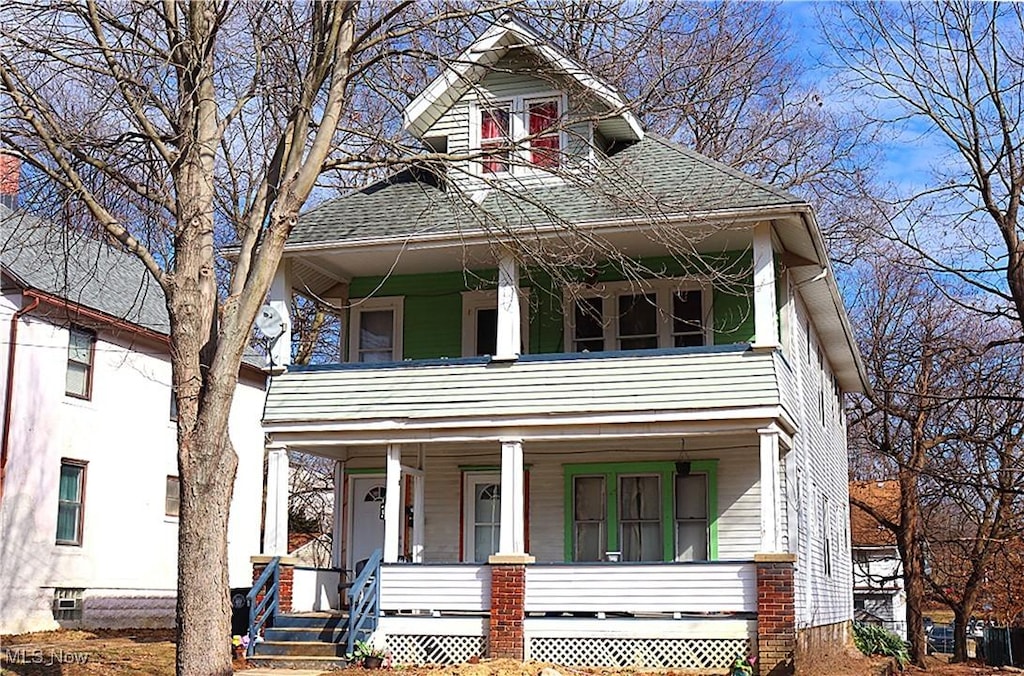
304,641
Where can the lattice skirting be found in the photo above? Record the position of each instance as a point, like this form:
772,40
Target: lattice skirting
677,653
415,649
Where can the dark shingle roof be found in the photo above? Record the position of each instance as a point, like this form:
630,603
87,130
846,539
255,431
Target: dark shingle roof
80,269
651,178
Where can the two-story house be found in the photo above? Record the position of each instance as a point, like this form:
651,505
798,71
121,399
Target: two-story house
879,596
89,502
591,410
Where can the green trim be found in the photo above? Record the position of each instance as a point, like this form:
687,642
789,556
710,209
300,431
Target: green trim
666,470
488,468
365,470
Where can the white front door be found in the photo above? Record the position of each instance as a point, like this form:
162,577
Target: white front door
481,515
366,518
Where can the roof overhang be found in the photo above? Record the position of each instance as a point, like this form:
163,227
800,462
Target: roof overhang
473,64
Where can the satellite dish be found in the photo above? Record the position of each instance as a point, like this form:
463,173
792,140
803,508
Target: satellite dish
270,323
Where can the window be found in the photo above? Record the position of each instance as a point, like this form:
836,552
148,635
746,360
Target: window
644,511
70,502
172,497
481,515
376,330
617,317
174,406
529,122
78,382
480,322
495,139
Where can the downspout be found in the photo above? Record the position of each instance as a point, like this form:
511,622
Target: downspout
12,348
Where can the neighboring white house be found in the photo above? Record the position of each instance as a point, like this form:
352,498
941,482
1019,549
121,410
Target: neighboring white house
88,519
879,596
645,466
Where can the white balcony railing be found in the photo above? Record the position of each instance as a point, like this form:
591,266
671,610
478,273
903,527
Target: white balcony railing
430,587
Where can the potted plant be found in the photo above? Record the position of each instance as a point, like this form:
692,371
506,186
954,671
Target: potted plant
371,656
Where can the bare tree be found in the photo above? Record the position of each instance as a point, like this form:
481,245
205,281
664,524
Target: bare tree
943,420
950,73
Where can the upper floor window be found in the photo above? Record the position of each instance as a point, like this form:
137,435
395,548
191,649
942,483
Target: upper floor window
376,330
172,496
480,322
78,381
532,123
618,317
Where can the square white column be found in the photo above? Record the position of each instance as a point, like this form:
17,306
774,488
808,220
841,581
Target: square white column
509,315
513,503
392,503
275,524
766,325
280,299
769,461
338,514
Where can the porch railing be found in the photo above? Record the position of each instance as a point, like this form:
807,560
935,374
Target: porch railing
712,587
263,601
364,600
426,587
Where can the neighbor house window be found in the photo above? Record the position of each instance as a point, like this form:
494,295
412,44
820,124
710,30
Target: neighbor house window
78,382
644,511
376,330
172,497
70,502
671,313
519,133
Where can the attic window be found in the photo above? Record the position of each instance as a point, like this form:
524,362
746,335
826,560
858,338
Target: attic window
495,139
543,116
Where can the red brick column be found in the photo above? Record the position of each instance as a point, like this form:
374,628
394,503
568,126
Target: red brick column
284,590
776,614
508,606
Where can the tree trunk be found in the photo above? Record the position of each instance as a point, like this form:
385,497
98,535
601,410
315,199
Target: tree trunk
960,616
909,544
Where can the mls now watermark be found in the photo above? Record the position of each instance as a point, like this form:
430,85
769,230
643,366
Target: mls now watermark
44,656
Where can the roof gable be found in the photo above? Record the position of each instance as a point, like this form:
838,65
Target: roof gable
476,61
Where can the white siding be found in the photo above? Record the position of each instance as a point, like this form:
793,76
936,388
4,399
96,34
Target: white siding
127,560
818,471
658,588
465,588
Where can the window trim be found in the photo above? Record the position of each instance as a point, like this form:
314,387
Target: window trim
80,530
473,301
90,366
667,470
372,304
519,129
609,294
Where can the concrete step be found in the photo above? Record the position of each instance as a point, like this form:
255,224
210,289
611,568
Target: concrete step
287,662
300,649
317,620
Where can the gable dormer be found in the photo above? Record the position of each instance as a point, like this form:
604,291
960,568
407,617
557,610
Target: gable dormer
519,108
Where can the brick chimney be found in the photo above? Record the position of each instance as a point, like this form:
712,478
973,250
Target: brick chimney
10,177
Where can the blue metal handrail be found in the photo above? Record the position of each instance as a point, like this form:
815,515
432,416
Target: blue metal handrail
266,609
364,600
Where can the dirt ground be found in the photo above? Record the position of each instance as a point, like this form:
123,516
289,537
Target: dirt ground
151,653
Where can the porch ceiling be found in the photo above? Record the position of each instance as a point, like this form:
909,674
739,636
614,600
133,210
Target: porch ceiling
705,390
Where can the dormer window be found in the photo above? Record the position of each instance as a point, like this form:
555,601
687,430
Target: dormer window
495,139
531,123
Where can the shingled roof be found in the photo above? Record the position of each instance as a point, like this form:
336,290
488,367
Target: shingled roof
883,496
81,269
653,176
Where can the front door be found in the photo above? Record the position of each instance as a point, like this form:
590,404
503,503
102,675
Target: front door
367,514
481,515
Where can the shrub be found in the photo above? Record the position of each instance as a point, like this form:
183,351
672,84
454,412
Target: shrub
871,639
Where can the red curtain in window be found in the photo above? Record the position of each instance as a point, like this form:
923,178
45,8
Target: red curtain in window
543,117
494,135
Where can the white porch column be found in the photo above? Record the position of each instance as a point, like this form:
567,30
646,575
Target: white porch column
280,298
338,512
392,503
275,525
513,504
769,451
766,328
509,316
